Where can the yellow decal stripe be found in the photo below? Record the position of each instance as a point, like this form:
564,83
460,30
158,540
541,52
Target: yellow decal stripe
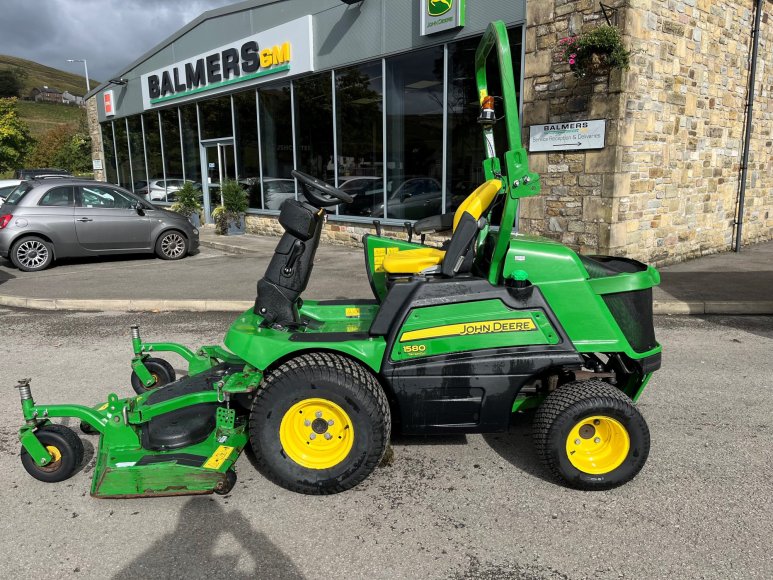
218,457
467,328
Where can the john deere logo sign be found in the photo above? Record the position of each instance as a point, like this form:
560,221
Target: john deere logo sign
440,15
439,7
271,54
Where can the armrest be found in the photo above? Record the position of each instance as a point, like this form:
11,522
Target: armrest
435,223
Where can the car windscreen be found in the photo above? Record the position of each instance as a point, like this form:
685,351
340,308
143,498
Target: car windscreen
18,194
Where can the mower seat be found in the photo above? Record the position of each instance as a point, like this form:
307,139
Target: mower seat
467,214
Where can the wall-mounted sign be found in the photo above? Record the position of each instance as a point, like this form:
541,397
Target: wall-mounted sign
568,136
441,15
268,55
96,164
108,100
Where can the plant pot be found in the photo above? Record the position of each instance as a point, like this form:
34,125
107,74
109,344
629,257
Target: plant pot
195,219
236,227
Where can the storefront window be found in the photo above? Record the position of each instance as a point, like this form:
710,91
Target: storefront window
359,121
170,128
137,148
314,126
414,99
108,146
153,146
191,156
277,143
122,145
215,118
247,153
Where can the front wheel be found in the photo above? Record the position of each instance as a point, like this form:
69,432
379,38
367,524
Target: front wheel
320,424
66,451
171,245
161,371
590,435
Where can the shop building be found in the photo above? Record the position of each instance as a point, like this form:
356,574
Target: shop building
379,97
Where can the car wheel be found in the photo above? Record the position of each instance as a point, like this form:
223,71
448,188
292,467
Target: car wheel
172,245
32,254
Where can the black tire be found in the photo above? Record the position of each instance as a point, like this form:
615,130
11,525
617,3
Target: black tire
225,486
172,245
32,254
565,409
69,447
88,429
340,383
162,372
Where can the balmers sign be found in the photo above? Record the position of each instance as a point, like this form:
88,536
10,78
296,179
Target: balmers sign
268,55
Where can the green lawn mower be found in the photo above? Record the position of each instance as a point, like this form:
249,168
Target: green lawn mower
456,340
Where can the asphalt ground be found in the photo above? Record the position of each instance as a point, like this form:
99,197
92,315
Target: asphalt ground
447,507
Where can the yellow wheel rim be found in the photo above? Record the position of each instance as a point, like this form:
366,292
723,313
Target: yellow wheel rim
316,433
56,457
598,445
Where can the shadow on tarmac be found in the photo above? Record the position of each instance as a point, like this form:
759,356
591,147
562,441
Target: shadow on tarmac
516,447
211,542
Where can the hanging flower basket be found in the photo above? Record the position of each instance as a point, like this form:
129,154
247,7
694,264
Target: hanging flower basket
594,52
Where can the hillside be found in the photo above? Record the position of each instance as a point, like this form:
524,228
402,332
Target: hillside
42,117
39,75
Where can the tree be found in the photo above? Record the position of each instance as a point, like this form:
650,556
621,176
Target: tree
12,82
65,147
15,139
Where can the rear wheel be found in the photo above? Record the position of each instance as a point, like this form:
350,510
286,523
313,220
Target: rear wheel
32,254
171,245
320,424
590,435
66,450
161,371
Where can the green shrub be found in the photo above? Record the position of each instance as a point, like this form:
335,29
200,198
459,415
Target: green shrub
187,200
597,50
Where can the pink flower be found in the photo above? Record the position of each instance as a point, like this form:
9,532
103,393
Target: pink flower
571,61
573,55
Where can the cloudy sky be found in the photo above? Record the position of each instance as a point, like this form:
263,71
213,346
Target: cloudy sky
108,33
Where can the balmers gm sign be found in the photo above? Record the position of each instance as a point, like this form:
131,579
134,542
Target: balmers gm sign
264,56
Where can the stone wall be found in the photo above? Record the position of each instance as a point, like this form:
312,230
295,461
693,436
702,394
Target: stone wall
96,136
685,104
664,188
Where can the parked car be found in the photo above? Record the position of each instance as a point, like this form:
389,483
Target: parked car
275,191
7,186
162,189
410,198
44,220
40,172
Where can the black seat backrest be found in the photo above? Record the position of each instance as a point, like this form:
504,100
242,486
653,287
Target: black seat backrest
461,248
288,272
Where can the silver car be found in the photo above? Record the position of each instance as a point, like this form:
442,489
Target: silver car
41,221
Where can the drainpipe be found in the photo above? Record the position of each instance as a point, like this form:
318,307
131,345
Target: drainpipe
748,130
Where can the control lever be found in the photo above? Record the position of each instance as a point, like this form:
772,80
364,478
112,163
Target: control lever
423,237
377,225
295,253
409,229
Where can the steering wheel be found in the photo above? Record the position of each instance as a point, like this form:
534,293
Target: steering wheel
312,184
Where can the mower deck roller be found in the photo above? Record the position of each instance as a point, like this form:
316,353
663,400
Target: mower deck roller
456,339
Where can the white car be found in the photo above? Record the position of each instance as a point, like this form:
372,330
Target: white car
163,190
7,186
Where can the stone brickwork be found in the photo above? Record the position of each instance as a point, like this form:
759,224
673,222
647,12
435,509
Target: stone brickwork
96,137
664,188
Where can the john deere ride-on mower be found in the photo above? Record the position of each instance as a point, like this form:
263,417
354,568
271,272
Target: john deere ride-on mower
456,340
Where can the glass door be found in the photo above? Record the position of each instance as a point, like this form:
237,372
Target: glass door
218,165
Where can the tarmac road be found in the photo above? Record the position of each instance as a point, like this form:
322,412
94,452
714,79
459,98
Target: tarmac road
447,507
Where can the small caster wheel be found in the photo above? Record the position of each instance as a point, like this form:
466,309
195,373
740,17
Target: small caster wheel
88,429
162,372
225,485
66,450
